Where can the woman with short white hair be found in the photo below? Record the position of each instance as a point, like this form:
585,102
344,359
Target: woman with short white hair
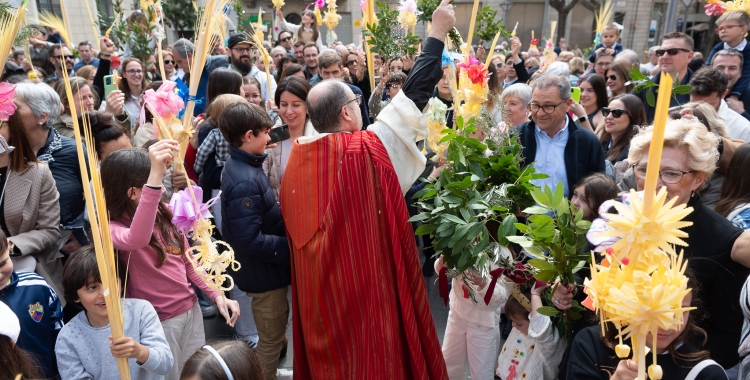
516,98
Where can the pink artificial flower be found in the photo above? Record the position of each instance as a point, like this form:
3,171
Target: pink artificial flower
472,61
164,101
362,5
715,9
408,6
7,107
320,3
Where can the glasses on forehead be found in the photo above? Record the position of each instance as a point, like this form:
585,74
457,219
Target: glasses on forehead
669,176
672,51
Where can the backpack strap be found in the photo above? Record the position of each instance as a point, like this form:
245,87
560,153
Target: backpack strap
700,367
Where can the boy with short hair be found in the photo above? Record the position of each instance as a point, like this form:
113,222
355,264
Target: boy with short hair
35,304
254,227
732,27
85,348
610,40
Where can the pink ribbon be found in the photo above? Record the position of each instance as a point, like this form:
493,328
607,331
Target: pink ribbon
184,214
7,107
164,102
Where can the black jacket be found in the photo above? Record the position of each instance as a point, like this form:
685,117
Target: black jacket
583,152
590,359
252,224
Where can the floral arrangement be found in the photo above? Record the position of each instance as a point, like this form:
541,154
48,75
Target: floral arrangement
331,19
472,88
436,111
386,36
164,101
7,106
718,7
408,13
278,4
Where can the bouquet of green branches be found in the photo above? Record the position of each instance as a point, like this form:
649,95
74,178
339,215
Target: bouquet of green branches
554,236
389,38
472,207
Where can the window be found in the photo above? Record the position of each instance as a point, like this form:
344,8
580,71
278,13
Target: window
49,6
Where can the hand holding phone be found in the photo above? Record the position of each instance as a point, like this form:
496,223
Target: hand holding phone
109,85
576,94
279,134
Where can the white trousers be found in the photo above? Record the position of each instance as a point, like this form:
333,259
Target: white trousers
245,325
478,343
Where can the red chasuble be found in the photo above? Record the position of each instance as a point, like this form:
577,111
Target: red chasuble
359,303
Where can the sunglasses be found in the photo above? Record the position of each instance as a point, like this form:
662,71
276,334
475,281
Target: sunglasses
349,62
612,77
286,39
616,112
66,56
672,51
168,62
500,65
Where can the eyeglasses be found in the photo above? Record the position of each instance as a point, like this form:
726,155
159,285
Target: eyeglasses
286,39
134,72
242,50
612,77
603,64
672,51
669,176
726,28
351,61
66,56
393,85
500,65
549,108
616,112
168,62
357,98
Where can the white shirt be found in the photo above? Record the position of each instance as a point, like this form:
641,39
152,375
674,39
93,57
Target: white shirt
737,126
739,47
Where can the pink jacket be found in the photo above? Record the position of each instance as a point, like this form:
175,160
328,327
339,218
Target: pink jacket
166,287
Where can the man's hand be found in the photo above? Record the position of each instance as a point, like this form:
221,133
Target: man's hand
735,105
443,20
515,48
115,102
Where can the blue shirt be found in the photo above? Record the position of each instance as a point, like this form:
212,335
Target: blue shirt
550,157
94,62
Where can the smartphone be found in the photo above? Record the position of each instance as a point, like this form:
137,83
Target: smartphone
576,94
109,85
279,134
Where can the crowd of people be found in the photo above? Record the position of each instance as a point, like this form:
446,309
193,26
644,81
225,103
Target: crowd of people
323,212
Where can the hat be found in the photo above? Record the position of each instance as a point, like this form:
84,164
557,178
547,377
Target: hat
10,326
239,38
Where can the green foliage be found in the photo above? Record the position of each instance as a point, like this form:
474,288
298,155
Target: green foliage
474,202
427,7
554,235
180,14
388,37
643,82
487,27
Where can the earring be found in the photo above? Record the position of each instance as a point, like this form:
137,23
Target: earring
692,194
40,123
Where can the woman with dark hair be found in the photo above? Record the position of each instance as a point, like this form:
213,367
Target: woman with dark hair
291,95
496,90
292,69
223,360
734,203
594,98
133,85
224,81
621,117
107,133
617,77
593,356
283,63
85,99
591,191
306,32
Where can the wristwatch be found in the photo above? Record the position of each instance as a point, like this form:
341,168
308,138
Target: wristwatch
582,119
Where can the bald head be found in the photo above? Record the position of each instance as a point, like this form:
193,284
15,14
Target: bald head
277,53
331,107
343,51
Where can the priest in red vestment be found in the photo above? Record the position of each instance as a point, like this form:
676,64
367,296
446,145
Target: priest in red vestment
359,303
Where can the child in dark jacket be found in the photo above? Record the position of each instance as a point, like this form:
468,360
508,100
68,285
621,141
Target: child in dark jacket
37,307
732,27
254,227
610,40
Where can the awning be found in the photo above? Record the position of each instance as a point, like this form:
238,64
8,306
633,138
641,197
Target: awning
699,27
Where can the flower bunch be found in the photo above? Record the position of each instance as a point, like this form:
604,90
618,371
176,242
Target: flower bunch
715,8
278,3
164,101
408,13
331,18
640,284
472,88
436,111
534,42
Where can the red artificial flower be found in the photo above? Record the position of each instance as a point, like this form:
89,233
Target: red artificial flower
609,250
625,261
715,9
477,73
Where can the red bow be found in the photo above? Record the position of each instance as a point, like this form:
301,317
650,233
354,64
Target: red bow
443,285
491,289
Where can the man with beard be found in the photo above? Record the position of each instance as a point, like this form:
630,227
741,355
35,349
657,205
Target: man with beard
299,48
183,56
240,60
58,53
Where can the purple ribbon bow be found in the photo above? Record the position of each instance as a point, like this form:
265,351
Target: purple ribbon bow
184,214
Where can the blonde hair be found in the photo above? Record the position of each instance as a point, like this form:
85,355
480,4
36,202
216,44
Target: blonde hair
532,61
692,137
717,125
86,71
221,102
565,55
738,16
576,66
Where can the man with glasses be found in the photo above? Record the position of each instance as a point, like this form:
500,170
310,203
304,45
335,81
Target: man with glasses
674,55
710,86
329,67
732,28
86,53
285,41
553,141
347,224
310,53
240,60
57,54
